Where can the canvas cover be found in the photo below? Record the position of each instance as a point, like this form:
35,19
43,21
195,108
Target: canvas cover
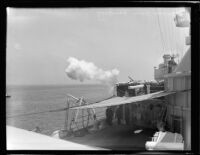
124,100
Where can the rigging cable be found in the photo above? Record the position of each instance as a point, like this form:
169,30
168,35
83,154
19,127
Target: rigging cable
162,40
174,33
54,110
166,33
170,34
34,113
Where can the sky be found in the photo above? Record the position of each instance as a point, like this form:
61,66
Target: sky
131,40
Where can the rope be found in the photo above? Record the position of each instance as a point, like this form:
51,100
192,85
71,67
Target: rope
74,120
162,40
84,120
54,110
175,40
67,114
166,33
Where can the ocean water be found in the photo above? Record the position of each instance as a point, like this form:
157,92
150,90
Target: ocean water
33,99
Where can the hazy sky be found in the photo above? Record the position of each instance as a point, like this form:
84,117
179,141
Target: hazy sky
39,41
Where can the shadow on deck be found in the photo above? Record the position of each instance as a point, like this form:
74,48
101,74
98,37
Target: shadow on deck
116,137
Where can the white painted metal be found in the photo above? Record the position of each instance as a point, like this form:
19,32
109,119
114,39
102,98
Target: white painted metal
137,86
20,139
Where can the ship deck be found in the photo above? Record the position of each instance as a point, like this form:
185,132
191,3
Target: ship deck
116,137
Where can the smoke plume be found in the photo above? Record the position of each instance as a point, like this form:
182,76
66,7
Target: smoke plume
82,70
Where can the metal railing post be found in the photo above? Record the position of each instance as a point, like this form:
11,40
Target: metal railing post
67,115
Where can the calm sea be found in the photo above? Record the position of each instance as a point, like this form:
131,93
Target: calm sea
33,99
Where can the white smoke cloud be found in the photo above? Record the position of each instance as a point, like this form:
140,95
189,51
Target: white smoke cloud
82,70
